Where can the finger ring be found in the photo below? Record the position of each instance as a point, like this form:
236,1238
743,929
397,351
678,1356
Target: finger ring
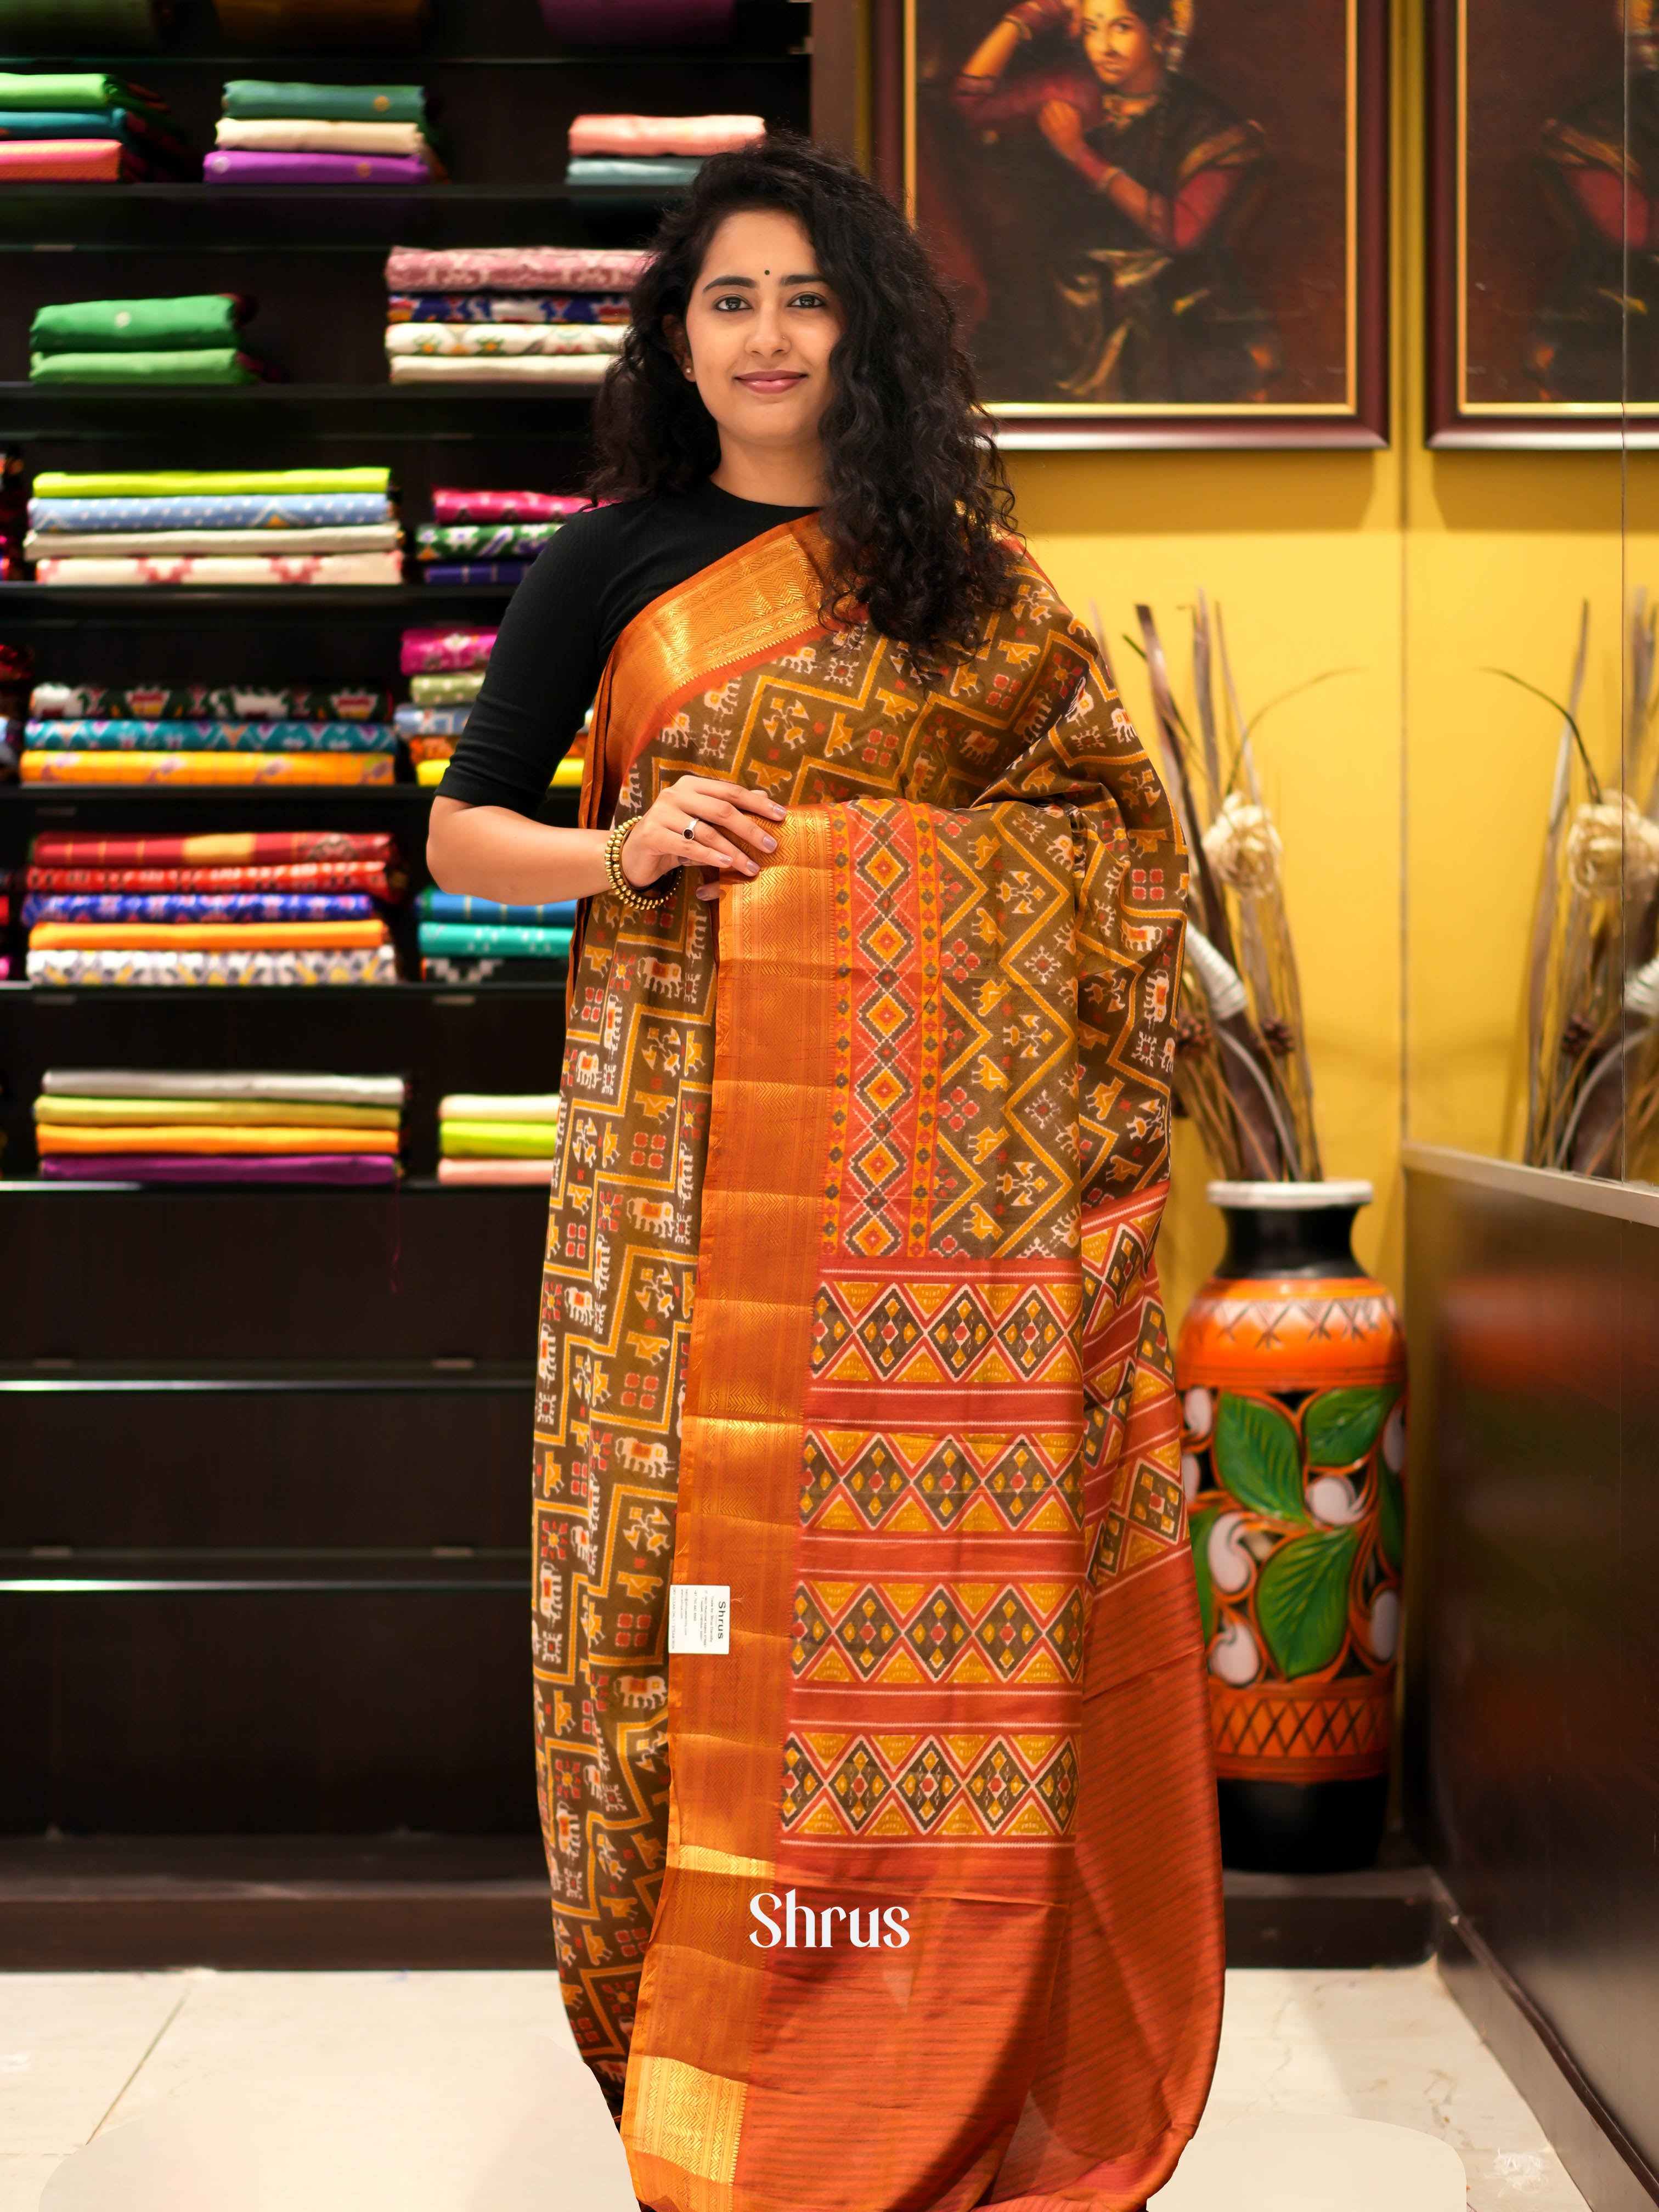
690,831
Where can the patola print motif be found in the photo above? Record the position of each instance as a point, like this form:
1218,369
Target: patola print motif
955,1144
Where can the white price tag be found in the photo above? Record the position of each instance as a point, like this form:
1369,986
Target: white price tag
700,1617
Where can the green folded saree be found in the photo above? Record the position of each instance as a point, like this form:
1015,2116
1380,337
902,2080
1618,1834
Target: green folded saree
245,98
182,483
71,94
178,365
197,319
497,1141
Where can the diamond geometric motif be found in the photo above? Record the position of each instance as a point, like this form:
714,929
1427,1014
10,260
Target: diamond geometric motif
946,1482
960,1333
1029,1333
876,1481
860,1785
1007,1633
867,1632
1157,1501
883,1089
1065,1633
1019,1480
997,1786
801,1782
830,1329
889,1331
811,1634
927,1786
1057,1786
938,1633
887,1016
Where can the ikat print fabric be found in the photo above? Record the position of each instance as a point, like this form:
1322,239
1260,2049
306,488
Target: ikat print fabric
509,341
512,268
428,650
143,735
214,702
198,906
211,571
457,689
451,505
143,969
507,307
446,572
431,721
211,511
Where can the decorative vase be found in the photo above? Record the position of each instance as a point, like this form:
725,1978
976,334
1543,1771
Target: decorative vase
1291,1366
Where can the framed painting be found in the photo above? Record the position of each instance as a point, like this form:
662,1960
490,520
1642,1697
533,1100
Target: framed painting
1165,221
1539,181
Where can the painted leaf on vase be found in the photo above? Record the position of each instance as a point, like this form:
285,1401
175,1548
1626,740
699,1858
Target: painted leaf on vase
1302,1600
1391,1517
1259,1459
1341,1426
1199,1526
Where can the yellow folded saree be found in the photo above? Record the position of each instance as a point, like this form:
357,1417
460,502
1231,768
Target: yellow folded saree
204,936
37,766
67,1111
208,1136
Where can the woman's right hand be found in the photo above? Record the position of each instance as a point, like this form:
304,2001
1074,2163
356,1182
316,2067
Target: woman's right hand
718,814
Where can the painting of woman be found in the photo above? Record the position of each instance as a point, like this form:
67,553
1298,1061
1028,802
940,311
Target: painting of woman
1150,179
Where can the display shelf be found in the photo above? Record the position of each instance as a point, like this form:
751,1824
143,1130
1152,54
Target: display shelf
331,413
336,218
147,604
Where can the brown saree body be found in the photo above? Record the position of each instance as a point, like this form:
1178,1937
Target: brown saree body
850,1309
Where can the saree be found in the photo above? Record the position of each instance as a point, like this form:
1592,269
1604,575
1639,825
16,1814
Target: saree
851,1332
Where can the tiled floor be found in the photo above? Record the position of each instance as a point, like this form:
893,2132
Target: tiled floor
461,2093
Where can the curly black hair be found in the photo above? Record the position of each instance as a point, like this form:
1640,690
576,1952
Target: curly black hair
919,510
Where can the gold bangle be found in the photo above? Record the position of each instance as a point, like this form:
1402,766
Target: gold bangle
628,894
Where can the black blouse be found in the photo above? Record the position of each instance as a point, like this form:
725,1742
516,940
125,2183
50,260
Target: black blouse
585,588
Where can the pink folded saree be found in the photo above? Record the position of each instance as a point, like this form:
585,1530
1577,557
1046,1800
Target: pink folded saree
511,269
664,134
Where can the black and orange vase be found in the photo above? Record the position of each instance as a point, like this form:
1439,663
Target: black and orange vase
1291,1364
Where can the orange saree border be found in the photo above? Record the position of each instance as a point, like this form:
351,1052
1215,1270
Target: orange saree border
742,1430
757,599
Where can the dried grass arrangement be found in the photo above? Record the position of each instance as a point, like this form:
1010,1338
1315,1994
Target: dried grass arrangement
1241,1069
1592,988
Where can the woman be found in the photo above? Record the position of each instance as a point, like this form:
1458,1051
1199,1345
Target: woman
910,1853
1148,303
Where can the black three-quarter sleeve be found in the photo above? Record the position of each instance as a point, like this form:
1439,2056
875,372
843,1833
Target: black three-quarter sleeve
540,681
601,569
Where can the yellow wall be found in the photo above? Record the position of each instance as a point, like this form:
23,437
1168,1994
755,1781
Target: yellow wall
1411,796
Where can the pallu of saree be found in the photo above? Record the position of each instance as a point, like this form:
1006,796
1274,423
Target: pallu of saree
850,1312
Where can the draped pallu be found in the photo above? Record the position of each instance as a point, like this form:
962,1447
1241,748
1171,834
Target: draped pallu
850,1307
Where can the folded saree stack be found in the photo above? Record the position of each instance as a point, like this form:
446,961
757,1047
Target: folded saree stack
275,908
497,1138
208,733
488,536
470,940
86,128
322,134
213,526
651,153
195,339
445,672
524,314
130,1125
